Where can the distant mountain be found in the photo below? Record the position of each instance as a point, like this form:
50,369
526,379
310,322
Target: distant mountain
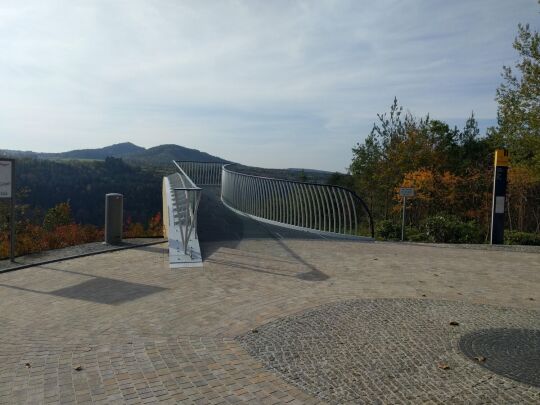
18,153
165,153
299,169
158,155
118,150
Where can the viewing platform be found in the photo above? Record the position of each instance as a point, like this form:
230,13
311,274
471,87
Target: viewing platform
271,317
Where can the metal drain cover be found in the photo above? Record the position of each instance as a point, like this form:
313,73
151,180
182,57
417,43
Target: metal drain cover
512,353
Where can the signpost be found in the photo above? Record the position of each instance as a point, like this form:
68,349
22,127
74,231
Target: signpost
499,194
405,192
7,181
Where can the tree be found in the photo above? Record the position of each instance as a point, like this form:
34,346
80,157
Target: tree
518,130
523,199
519,103
475,151
58,215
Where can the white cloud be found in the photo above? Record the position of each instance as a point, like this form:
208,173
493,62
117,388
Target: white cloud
279,83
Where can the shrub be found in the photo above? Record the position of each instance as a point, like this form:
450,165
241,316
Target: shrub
521,238
58,215
34,238
415,235
60,231
386,229
449,229
439,228
134,230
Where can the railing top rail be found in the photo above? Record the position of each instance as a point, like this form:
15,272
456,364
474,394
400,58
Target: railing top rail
285,180
201,161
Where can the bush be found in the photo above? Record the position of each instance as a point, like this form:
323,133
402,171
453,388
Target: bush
386,230
59,215
415,235
32,238
449,229
521,238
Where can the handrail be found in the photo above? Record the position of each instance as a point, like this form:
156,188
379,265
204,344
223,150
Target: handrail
182,197
201,173
306,205
321,207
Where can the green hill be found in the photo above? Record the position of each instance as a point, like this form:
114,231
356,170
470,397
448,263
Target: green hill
163,154
119,150
158,155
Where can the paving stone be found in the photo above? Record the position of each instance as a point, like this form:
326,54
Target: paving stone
171,334
360,351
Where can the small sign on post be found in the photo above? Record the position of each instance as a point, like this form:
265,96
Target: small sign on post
7,181
405,192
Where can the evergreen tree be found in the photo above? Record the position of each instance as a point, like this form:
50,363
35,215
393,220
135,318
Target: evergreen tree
519,103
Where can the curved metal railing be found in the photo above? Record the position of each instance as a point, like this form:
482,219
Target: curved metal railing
320,207
202,173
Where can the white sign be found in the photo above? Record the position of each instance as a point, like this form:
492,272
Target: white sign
5,178
499,205
406,192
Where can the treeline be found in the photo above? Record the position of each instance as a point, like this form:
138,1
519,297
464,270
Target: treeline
42,184
59,229
61,204
451,169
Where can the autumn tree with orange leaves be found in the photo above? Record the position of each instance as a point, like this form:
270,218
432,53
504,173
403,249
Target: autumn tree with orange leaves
451,169
448,167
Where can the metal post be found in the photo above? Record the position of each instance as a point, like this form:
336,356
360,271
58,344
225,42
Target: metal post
12,215
114,207
499,193
403,220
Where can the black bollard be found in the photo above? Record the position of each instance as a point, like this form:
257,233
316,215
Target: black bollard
499,195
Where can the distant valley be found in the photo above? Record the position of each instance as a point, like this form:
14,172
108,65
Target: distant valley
83,177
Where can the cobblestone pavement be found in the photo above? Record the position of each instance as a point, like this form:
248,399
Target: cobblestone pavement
389,350
122,327
512,352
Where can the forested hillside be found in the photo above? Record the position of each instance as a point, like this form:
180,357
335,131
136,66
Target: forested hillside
62,203
161,155
60,197
45,183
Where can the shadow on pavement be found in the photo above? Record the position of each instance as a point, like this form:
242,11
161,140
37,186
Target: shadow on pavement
101,290
219,227
109,291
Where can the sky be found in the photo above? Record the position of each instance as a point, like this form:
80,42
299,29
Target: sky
265,83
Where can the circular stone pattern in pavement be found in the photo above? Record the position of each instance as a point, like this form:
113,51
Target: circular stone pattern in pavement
390,351
514,353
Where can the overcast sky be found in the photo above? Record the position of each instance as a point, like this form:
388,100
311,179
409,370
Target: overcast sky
267,83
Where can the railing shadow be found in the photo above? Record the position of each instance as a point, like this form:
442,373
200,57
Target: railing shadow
220,227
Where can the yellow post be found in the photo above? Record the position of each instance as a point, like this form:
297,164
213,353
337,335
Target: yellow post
501,157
